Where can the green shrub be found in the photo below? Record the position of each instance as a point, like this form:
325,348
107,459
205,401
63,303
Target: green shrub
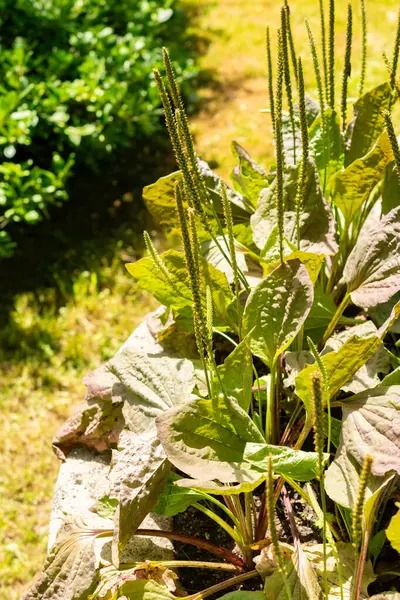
76,82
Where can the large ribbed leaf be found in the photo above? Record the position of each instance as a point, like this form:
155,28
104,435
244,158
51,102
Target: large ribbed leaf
277,308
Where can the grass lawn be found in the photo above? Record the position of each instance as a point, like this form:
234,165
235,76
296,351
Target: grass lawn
47,347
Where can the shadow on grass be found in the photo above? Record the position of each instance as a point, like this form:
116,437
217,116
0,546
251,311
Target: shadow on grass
104,213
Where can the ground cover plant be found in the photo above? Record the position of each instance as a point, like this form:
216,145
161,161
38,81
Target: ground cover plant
76,87
280,319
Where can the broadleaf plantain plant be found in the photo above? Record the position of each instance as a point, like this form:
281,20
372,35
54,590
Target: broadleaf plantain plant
280,317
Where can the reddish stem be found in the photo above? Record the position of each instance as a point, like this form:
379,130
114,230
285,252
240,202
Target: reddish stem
195,541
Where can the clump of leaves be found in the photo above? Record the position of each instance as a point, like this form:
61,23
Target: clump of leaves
280,319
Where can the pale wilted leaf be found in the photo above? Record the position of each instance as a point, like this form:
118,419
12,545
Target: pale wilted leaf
150,385
300,577
71,568
139,471
371,425
277,308
372,271
317,225
347,558
343,477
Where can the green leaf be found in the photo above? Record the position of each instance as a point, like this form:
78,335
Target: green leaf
248,176
236,374
106,507
391,189
277,308
372,271
300,577
218,440
376,544
328,150
71,568
214,256
341,365
317,225
392,379
243,595
209,437
371,425
322,311
367,123
210,487
174,291
139,473
175,498
145,589
159,198
312,262
352,187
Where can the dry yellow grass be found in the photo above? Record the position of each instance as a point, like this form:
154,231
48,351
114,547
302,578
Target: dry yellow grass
236,56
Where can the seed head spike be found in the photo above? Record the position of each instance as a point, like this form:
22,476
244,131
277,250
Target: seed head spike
347,65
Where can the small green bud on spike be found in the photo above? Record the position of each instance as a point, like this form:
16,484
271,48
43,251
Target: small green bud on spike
227,208
318,415
323,43
364,45
156,258
396,51
358,509
347,65
393,142
290,40
316,66
331,54
280,159
270,81
302,176
286,75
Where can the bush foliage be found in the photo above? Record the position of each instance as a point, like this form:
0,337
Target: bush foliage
76,82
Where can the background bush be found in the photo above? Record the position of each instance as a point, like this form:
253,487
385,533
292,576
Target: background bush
75,85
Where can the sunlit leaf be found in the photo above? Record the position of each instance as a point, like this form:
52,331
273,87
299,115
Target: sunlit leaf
176,498
352,187
327,149
159,198
248,176
367,123
218,440
277,308
393,531
300,577
236,374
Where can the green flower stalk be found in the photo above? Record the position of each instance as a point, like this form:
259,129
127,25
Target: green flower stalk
323,44
347,65
358,510
280,159
318,415
317,70
286,75
290,40
364,46
395,59
393,142
302,177
165,274
209,323
227,208
331,54
199,321
270,81
272,526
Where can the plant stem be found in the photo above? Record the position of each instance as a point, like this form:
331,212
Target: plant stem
336,317
222,586
270,415
175,564
194,541
229,530
360,565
